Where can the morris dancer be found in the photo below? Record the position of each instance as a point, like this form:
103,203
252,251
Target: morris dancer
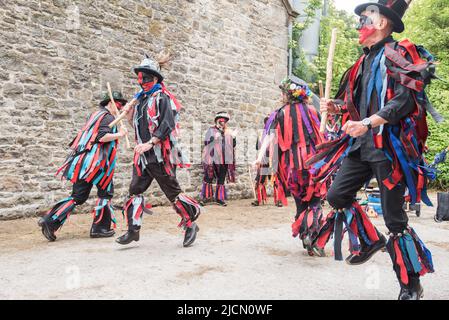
155,119
91,162
263,177
218,159
296,126
384,121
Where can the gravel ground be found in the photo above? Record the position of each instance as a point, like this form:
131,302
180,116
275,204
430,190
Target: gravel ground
241,253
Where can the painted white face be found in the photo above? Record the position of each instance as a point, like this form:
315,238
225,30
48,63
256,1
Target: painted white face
370,22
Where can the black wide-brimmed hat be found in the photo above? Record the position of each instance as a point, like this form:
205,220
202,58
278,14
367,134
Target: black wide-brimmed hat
392,9
117,95
151,66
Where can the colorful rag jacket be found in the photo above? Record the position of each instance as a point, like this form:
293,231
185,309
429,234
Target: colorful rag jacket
297,133
90,160
404,143
168,151
219,150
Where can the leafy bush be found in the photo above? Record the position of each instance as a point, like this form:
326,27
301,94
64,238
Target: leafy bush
427,24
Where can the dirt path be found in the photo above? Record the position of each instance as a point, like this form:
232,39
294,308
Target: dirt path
241,253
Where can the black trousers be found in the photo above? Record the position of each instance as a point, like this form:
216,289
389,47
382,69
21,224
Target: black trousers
353,174
220,171
81,191
154,171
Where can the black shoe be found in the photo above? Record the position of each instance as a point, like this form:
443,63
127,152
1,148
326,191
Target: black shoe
279,204
128,237
318,251
367,252
409,294
47,230
307,244
101,232
190,235
255,203
309,249
222,203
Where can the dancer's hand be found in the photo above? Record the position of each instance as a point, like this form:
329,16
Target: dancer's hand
328,106
122,131
257,164
144,147
355,128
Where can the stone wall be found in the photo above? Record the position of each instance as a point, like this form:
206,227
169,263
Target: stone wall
56,57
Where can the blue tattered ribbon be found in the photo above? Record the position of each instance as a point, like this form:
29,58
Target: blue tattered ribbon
405,164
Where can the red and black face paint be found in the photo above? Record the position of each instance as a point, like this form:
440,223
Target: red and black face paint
146,81
222,122
365,28
119,105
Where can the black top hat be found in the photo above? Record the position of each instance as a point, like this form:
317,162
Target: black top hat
392,9
117,95
150,66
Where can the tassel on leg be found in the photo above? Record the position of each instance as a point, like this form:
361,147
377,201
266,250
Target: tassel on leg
61,212
188,209
409,256
133,212
361,231
326,231
207,191
103,214
308,223
220,193
261,193
56,217
279,193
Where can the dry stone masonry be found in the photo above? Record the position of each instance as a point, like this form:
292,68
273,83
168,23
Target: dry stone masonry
56,57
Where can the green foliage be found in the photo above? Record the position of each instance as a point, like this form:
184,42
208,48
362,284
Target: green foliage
347,50
427,24
305,70
346,53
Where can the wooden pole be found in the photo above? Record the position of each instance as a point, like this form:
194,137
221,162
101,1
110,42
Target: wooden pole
114,107
320,84
330,62
252,182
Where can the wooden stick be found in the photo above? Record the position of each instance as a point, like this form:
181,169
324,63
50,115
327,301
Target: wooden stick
330,62
114,107
252,182
320,84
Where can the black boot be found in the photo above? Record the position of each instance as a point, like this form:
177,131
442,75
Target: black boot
255,203
222,203
407,294
101,232
307,244
318,251
48,230
413,291
367,252
128,237
190,235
